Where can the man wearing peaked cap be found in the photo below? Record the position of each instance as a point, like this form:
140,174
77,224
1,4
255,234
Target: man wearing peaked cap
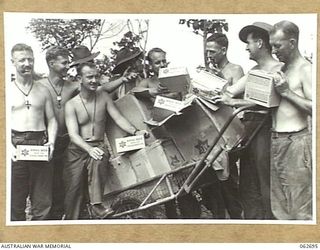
255,161
262,27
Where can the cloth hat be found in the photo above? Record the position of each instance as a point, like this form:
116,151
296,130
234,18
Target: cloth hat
82,54
257,26
125,55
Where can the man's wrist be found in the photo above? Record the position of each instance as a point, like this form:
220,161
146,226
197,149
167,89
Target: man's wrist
134,130
50,143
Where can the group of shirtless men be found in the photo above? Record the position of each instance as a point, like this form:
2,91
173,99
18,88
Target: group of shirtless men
69,118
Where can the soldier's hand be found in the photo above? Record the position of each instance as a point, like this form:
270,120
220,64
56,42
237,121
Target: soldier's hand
158,91
51,149
281,83
143,132
223,99
13,153
96,153
127,76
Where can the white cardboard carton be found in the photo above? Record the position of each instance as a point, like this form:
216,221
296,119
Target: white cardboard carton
206,81
175,79
32,153
260,89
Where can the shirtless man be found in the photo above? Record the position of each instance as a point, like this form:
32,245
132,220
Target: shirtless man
85,120
223,195
157,59
61,91
216,47
255,162
32,123
291,162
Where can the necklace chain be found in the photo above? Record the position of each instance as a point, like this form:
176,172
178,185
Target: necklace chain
94,112
27,103
58,94
54,89
25,94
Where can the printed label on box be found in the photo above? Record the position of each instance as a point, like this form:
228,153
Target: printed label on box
32,153
130,143
168,103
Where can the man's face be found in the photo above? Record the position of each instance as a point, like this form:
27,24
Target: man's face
158,61
215,52
281,46
23,62
89,78
252,47
60,65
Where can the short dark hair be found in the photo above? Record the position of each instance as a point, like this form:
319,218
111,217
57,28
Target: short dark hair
263,35
55,51
82,65
21,47
219,38
289,29
154,50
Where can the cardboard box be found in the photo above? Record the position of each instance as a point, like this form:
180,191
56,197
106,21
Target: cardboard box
32,153
156,159
260,89
120,174
206,81
129,143
175,79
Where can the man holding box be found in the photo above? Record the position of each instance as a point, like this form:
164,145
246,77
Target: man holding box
223,194
61,91
157,59
291,158
255,160
86,158
216,47
32,123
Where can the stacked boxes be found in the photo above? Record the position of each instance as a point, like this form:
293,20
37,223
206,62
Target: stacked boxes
158,158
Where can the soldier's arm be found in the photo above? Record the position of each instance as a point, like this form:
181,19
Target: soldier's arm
303,103
238,87
52,124
115,114
238,73
113,85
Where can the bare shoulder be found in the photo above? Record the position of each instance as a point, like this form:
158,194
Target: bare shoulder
305,67
101,94
277,66
73,102
144,83
235,67
41,88
72,85
43,81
